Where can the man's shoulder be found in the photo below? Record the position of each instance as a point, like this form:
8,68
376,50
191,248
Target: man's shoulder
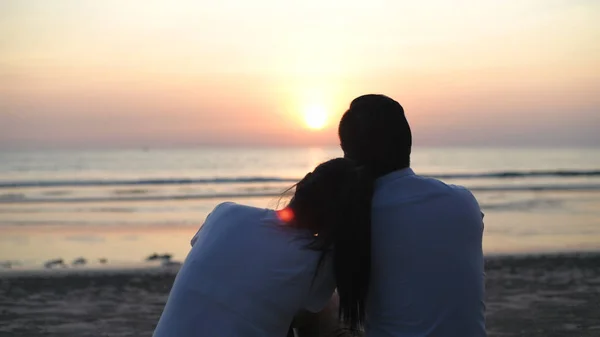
419,185
459,192
442,185
459,189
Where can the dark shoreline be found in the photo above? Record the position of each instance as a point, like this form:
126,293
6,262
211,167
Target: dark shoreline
527,295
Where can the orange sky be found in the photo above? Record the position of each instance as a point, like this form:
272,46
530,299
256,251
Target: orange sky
154,73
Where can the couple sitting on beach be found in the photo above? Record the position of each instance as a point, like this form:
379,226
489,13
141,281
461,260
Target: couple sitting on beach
365,247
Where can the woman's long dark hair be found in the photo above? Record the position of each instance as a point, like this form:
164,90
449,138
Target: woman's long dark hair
334,201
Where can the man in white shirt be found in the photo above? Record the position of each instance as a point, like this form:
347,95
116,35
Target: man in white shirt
427,270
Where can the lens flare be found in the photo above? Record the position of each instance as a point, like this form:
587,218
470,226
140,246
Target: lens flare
286,214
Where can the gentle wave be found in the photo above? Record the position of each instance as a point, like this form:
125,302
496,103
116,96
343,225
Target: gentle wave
136,182
202,181
139,198
8,200
520,174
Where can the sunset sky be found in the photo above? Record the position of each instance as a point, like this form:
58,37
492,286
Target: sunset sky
115,73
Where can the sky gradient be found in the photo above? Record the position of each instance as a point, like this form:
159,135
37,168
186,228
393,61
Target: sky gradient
112,73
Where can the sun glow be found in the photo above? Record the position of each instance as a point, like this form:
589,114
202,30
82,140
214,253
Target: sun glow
315,117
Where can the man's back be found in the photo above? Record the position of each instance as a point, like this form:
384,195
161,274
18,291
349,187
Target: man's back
427,275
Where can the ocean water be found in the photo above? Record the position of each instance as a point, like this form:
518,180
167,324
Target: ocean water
123,205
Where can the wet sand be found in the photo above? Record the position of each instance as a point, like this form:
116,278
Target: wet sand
548,296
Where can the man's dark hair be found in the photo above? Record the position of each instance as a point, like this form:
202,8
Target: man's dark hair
374,132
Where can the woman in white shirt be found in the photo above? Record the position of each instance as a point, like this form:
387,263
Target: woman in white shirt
252,270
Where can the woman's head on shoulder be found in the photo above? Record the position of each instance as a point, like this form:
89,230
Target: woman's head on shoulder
334,202
326,195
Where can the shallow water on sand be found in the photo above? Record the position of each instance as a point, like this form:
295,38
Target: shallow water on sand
125,205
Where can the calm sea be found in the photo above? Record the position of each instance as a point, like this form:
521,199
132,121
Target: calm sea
125,204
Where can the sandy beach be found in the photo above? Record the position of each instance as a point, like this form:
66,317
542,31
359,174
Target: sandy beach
544,295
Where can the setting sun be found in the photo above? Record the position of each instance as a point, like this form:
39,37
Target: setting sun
315,117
